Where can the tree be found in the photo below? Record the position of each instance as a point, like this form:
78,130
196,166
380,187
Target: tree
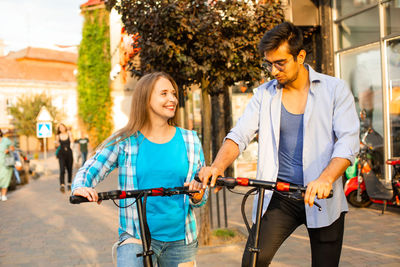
231,53
25,111
94,65
211,43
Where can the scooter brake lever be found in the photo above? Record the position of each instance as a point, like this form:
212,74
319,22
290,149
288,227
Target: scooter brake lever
318,205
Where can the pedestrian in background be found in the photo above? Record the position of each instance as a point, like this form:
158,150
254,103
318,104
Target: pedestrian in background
6,148
65,158
83,142
308,132
150,151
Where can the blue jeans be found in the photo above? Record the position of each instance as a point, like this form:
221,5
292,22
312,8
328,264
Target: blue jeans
166,254
84,157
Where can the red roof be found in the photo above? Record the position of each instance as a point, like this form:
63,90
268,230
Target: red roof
39,64
92,3
43,54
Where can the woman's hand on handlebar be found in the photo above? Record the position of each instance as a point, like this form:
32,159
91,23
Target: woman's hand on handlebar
210,172
195,186
87,192
320,187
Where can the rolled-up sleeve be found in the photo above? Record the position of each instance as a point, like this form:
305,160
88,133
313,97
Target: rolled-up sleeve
346,124
248,124
97,168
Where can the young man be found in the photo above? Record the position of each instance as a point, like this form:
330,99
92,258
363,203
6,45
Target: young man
308,135
83,142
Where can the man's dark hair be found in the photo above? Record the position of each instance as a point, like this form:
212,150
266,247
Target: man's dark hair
284,32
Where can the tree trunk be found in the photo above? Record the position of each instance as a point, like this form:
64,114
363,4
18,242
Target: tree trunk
218,134
186,115
27,145
218,122
205,228
228,121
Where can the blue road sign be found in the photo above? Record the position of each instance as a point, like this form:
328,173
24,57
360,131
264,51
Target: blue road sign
43,129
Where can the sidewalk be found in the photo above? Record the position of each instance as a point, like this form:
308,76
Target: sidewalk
40,228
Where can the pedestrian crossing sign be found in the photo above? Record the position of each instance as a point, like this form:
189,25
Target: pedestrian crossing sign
43,129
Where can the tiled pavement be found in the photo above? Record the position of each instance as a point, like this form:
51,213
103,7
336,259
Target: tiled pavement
38,227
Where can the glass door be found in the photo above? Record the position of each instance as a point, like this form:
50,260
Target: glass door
361,69
393,78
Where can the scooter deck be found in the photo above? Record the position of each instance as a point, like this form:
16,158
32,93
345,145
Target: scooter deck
376,189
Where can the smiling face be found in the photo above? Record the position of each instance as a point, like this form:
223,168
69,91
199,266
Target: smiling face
163,100
283,65
62,128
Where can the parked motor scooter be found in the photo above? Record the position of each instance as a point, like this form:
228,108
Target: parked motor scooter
366,188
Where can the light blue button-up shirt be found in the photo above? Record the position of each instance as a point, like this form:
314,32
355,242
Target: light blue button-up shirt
331,129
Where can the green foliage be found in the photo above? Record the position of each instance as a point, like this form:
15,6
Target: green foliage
226,233
94,97
27,108
193,40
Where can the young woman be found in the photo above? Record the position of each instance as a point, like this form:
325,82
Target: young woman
6,147
151,152
65,158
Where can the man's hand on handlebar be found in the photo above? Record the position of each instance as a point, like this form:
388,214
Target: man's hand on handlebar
87,192
320,187
208,172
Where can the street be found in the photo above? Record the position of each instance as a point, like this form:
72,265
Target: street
40,228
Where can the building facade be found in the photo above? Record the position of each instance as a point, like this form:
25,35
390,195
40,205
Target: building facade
34,71
366,41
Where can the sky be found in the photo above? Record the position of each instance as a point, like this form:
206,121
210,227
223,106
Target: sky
40,23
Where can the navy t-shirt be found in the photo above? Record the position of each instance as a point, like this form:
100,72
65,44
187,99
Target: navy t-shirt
291,147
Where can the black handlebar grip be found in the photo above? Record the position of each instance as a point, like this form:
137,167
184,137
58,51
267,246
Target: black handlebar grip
330,194
197,179
77,199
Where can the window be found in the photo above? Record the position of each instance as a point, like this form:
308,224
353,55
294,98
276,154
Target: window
345,7
361,68
393,71
392,11
359,29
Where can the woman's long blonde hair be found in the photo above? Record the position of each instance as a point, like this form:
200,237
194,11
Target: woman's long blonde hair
139,115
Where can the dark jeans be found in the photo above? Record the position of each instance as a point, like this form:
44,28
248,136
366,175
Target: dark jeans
65,160
280,220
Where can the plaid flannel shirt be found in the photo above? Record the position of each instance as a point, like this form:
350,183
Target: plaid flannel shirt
123,155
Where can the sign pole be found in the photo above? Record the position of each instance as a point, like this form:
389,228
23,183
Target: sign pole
45,157
44,130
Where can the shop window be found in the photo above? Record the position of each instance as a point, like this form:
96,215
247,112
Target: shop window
361,69
393,17
393,68
360,29
345,7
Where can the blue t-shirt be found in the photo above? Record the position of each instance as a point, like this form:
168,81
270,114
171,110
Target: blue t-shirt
291,147
164,165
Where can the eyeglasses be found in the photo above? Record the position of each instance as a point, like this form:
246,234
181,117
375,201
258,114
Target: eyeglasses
279,65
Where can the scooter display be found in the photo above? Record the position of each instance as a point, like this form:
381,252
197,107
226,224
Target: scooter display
366,188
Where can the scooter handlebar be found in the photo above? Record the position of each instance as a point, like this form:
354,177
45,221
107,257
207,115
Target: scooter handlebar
231,182
119,194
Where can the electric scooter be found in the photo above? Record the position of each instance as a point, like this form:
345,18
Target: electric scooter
366,188
292,191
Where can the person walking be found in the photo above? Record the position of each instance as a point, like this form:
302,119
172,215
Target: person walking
65,158
6,147
308,133
150,151
83,147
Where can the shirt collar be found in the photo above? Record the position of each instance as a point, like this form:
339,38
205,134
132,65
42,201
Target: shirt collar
312,75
